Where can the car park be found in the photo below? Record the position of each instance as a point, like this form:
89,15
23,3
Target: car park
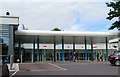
114,58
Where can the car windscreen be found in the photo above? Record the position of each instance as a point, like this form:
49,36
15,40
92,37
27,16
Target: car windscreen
116,53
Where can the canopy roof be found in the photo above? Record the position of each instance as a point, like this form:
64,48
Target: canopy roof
29,36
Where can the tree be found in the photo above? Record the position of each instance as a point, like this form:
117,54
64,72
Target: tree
56,29
114,13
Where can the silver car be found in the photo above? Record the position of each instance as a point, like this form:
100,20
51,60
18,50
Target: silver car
114,58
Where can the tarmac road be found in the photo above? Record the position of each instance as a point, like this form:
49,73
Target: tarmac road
101,69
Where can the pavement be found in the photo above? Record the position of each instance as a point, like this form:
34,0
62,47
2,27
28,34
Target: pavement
82,69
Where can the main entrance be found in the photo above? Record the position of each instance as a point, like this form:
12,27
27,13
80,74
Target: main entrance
48,55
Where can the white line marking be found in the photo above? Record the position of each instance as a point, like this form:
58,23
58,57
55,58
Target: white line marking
46,70
57,66
14,73
16,66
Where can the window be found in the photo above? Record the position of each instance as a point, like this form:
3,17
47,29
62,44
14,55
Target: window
4,37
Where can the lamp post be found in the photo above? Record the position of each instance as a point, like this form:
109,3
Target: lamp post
119,35
119,40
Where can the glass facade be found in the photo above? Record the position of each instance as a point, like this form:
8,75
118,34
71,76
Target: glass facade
47,55
4,36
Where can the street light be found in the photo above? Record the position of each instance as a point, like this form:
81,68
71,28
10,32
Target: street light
119,34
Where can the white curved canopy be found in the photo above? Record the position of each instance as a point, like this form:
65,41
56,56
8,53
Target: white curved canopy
28,36
63,33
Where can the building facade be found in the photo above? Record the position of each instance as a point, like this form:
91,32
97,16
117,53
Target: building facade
42,46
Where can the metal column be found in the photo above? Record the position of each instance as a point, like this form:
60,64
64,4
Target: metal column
106,48
32,55
102,55
11,43
34,51
0,46
74,53
119,34
38,50
46,54
62,49
54,50
20,51
92,49
59,57
85,51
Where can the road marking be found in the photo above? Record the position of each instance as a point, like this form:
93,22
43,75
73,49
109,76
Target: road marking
16,69
14,73
57,66
47,70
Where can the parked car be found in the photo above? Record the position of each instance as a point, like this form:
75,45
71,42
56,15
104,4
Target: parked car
114,58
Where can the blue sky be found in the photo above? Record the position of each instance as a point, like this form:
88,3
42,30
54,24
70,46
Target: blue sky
68,15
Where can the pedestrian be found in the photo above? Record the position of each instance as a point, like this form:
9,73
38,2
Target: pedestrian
74,57
97,56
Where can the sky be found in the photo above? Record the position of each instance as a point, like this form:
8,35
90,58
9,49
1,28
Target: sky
68,15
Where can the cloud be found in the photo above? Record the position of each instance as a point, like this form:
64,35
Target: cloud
75,28
48,15
55,0
92,11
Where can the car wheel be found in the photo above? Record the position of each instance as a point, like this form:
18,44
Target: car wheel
117,62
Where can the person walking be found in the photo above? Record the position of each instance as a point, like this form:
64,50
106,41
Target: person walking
101,57
97,56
